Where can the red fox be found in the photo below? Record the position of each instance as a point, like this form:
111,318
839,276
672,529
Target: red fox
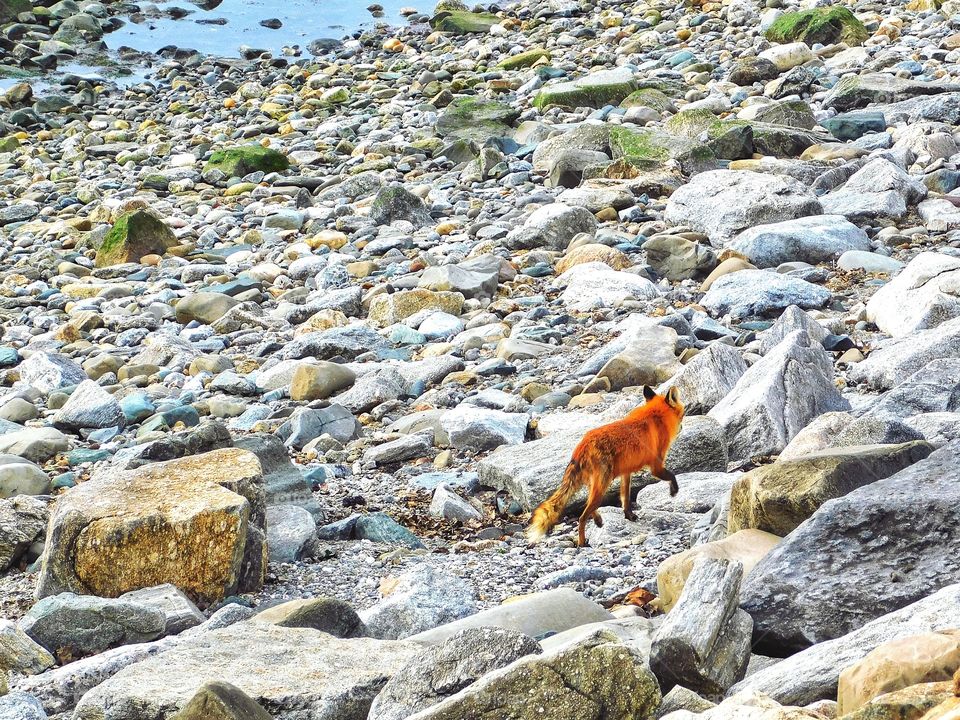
618,449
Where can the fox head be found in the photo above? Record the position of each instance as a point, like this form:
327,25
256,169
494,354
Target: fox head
671,400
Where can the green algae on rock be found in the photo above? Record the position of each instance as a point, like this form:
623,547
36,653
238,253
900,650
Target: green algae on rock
240,161
471,118
459,22
825,25
134,236
650,98
524,59
606,87
649,149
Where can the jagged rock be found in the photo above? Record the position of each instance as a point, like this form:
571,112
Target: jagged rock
20,653
133,236
924,295
704,642
90,406
179,611
289,670
893,361
707,378
197,523
841,429
913,522
777,397
23,520
50,371
446,669
812,674
931,389
552,226
597,677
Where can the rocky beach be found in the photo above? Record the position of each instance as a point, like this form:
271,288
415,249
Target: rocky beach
298,329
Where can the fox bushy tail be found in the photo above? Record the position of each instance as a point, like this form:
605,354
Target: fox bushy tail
549,511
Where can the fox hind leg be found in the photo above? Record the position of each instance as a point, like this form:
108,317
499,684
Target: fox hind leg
594,498
625,498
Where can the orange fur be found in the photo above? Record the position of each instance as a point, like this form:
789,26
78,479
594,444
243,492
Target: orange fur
619,449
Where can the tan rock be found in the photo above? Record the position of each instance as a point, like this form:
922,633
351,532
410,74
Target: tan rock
322,320
316,380
746,546
778,497
593,252
731,265
909,703
196,522
395,307
898,664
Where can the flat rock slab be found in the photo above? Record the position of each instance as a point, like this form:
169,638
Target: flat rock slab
294,673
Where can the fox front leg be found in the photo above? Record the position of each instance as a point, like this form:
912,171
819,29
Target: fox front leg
662,473
625,498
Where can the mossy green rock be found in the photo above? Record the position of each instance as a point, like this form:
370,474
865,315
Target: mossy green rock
596,90
524,59
132,236
826,25
459,22
791,113
240,161
9,144
649,149
727,140
766,138
471,118
651,98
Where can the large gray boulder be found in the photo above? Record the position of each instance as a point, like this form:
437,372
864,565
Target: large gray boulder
813,239
925,294
90,406
777,397
178,610
295,672
860,556
21,706
814,673
441,671
60,689
880,189
552,227
724,203
78,625
704,642
893,361
931,389
761,292
842,429
48,371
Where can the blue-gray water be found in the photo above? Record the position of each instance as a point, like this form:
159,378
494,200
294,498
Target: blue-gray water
303,21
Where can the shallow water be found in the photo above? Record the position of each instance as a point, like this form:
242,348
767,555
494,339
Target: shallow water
303,21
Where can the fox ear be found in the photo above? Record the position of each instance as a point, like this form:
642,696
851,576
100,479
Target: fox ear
673,397
649,393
